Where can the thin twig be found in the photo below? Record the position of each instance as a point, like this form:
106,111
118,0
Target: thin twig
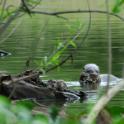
8,22
3,8
60,64
109,44
11,32
35,44
39,104
10,19
25,7
88,29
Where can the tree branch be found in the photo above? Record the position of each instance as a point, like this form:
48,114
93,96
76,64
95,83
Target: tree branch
58,65
8,22
16,14
76,11
109,44
25,7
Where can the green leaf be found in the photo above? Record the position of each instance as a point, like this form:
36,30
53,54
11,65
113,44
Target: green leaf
4,102
40,119
118,120
55,58
70,120
2,119
72,44
45,59
54,111
23,114
60,45
116,9
39,62
118,5
27,104
115,110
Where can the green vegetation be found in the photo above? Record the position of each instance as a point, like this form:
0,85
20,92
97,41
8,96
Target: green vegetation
118,6
21,112
65,36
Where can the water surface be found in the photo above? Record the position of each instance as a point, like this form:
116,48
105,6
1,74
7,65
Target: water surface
36,37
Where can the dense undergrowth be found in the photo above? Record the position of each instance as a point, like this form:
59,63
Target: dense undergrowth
21,112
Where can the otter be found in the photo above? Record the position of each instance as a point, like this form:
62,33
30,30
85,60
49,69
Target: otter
89,77
57,85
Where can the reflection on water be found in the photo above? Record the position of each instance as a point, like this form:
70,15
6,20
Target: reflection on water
4,53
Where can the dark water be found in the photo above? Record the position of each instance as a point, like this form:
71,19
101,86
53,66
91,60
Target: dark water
31,39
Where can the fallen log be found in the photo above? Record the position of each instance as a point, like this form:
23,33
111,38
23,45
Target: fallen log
29,85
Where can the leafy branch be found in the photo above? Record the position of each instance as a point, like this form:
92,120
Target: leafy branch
10,12
72,42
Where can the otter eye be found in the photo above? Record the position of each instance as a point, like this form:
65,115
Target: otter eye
89,71
97,71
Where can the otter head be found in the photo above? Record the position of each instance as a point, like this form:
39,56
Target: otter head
90,76
92,70
57,85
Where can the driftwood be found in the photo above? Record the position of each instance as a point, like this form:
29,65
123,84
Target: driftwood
29,85
25,85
